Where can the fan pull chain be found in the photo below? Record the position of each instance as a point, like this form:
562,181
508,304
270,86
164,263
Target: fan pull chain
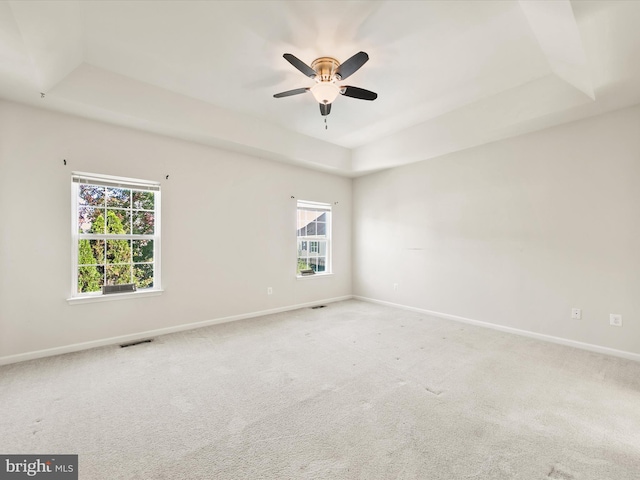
325,123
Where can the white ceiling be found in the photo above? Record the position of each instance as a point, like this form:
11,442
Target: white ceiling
449,74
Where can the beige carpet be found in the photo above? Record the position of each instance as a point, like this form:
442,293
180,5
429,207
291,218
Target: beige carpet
353,390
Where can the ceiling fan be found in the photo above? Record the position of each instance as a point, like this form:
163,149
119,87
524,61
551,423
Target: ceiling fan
326,71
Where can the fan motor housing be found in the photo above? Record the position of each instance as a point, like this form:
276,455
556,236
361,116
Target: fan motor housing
325,68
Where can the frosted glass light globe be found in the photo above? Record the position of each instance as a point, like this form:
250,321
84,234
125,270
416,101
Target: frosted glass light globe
325,92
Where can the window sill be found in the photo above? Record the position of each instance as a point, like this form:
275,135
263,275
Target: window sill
317,275
113,296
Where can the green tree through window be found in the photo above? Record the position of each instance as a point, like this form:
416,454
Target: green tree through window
116,236
89,279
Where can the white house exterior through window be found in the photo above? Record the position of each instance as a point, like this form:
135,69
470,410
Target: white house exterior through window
314,237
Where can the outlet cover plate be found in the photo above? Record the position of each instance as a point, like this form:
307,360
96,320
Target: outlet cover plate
615,320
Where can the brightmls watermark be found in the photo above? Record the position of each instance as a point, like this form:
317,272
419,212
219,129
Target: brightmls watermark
50,467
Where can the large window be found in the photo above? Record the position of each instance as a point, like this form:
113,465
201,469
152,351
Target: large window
314,237
116,233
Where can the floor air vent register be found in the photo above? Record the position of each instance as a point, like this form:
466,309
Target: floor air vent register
138,342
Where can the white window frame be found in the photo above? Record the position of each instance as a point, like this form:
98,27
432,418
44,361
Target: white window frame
324,207
78,178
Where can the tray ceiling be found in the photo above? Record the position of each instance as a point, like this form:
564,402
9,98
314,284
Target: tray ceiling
449,75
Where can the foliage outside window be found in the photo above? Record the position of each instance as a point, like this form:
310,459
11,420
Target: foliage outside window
116,233
314,237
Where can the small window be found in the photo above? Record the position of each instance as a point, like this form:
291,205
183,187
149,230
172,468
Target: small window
314,237
115,233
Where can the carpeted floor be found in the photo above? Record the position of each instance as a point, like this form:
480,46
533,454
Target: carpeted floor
354,390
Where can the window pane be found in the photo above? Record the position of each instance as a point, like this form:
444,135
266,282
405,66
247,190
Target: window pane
323,249
90,278
142,251
118,274
317,264
143,200
143,223
91,195
118,197
302,265
90,252
321,228
143,275
118,251
118,221
309,216
90,220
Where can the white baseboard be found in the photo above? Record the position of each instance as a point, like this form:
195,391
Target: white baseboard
525,333
76,347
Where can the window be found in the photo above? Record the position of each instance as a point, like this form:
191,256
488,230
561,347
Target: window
314,237
115,233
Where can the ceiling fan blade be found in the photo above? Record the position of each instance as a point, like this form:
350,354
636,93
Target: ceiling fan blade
288,93
360,93
350,66
325,109
300,65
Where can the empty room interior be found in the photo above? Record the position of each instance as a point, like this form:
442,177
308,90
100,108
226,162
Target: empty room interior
320,239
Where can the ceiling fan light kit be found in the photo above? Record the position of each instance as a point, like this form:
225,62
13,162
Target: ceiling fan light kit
326,71
325,92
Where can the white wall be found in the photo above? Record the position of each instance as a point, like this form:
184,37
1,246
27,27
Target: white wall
228,230
513,233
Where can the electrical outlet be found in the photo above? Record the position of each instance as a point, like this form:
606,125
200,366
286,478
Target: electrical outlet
615,320
576,313
395,287
269,291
